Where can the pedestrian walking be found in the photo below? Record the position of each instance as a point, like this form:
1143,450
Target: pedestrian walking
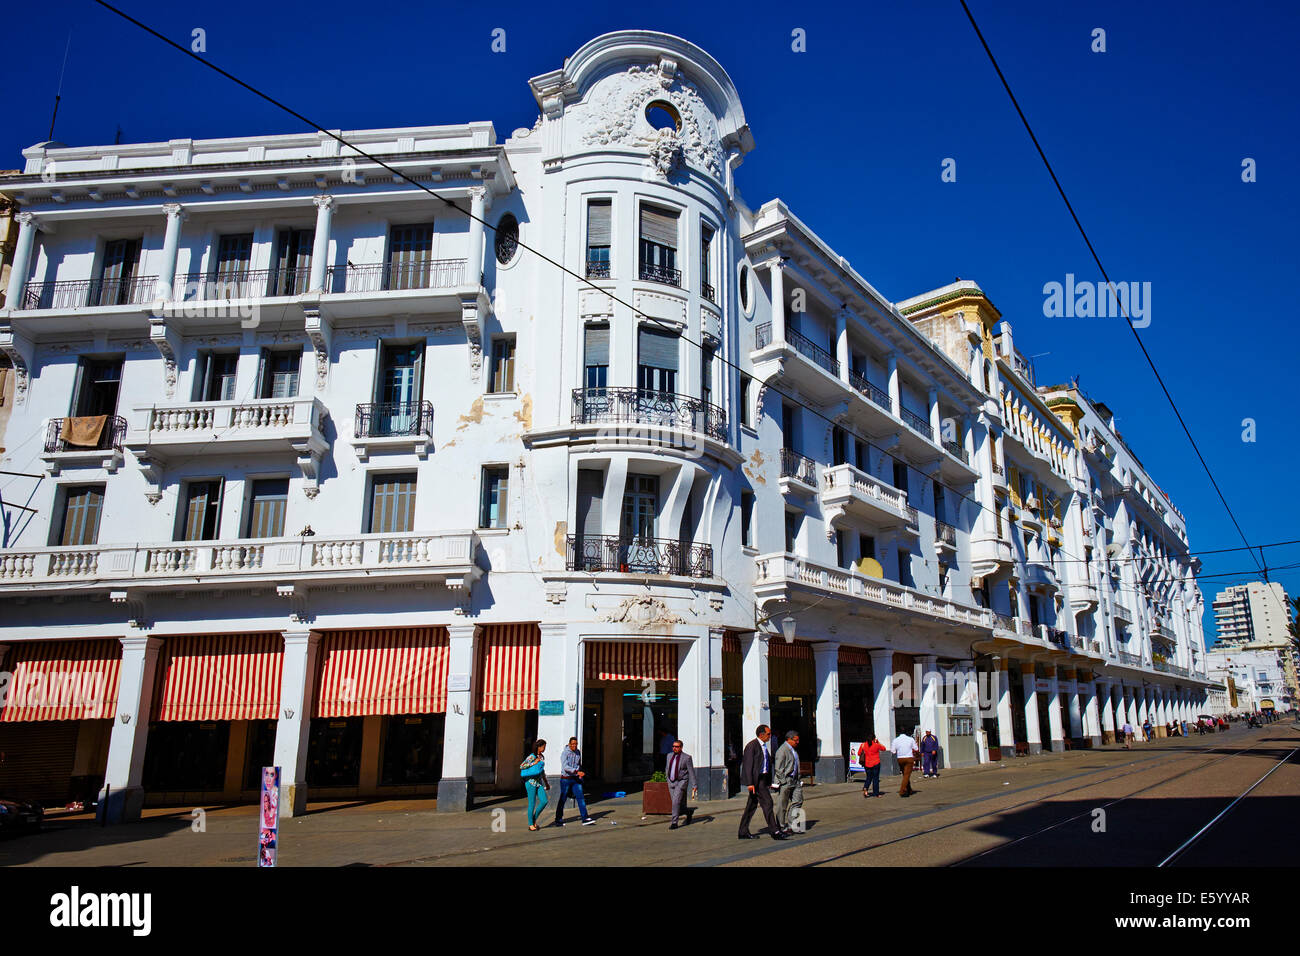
533,770
904,748
930,754
1146,730
1128,735
756,777
869,756
681,772
789,797
571,774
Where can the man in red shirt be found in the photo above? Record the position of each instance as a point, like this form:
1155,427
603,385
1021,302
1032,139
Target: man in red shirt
869,756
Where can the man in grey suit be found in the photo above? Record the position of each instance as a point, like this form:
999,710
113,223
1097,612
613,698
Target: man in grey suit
681,771
790,795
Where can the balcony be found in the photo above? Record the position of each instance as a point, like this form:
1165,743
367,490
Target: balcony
654,273
999,476
240,284
447,558
990,555
90,293
1040,577
860,495
708,292
797,470
957,451
637,406
103,450
608,553
1083,597
597,268
1126,657
916,422
776,575
945,537
388,426
1055,635
873,393
420,287
798,361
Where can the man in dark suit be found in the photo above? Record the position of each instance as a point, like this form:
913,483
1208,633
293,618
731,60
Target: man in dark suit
756,777
681,772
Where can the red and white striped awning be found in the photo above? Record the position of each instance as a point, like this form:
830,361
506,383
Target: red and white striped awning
858,656
509,661
383,671
630,660
62,680
219,677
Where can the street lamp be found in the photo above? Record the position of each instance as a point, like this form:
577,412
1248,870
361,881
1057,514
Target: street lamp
788,625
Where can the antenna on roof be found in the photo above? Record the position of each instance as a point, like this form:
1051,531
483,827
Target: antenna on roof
59,92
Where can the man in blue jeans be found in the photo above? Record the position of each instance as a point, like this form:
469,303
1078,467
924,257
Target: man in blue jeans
571,775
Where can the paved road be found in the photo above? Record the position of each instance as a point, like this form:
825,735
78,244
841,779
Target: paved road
1024,812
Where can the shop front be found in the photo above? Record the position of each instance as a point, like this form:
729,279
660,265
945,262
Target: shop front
734,734
857,697
507,668
629,708
792,694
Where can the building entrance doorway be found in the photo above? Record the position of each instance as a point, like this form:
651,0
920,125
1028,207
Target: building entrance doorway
593,723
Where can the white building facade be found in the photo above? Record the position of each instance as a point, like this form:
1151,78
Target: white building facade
335,478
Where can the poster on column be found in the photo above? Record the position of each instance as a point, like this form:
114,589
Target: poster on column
269,817
855,762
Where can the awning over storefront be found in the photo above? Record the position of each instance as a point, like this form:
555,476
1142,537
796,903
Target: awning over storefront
62,680
509,660
790,669
219,677
383,671
733,679
629,660
856,656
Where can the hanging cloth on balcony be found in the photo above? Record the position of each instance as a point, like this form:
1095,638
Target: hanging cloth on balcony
627,660
84,432
508,664
219,677
62,680
383,671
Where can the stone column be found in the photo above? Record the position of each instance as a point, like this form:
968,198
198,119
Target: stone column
456,788
1055,724
1107,712
293,725
22,261
895,399
830,746
558,679
477,210
930,691
1072,704
320,246
753,667
1092,717
122,796
1033,736
176,216
711,768
1006,723
882,685
936,427
778,310
842,344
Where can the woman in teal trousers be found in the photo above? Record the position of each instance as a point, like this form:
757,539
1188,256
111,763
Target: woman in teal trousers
535,783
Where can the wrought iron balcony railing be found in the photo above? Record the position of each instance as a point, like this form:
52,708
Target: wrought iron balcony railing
915,421
801,344
874,393
597,268
654,273
957,451
239,284
643,406
708,292
110,436
945,533
1057,636
636,555
799,467
394,276
394,419
89,293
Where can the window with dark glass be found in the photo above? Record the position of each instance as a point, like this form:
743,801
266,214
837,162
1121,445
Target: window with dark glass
900,476
82,506
747,518
657,354
117,276
392,503
506,241
215,381
503,364
234,254
266,508
839,444
96,388
493,507
292,273
787,427
658,255
706,373
706,271
200,520
905,569
640,508
746,400
792,522
595,356
839,549
866,546
279,373
598,238
410,257
939,512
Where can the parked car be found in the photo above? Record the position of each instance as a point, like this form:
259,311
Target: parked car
20,816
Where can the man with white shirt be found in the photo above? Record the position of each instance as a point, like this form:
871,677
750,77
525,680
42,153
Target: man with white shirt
756,777
904,748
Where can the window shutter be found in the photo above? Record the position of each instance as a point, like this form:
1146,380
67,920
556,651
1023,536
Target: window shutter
263,382
657,349
598,219
591,489
596,351
659,226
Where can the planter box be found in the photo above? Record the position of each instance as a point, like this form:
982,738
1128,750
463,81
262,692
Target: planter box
655,798
995,754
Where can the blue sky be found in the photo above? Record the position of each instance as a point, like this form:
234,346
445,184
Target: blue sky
1148,139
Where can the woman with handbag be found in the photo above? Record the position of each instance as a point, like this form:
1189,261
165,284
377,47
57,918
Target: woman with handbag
533,770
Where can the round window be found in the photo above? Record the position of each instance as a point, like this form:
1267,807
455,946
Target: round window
662,115
507,238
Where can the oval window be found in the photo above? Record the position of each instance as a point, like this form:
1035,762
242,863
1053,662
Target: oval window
744,287
507,239
662,115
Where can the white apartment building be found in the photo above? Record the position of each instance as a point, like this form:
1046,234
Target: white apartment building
1259,680
337,479
1256,616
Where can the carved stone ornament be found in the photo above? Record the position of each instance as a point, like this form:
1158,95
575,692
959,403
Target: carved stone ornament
615,116
642,613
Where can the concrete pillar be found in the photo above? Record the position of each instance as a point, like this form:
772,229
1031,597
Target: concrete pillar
842,345
1073,707
1033,735
936,427
895,400
778,311
22,260
882,710
754,697
122,796
1092,716
320,246
1107,711
559,679
830,745
456,788
1006,723
372,733
929,691
477,210
711,763
1055,724
293,726
176,215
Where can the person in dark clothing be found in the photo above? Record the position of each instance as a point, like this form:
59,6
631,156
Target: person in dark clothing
930,755
756,777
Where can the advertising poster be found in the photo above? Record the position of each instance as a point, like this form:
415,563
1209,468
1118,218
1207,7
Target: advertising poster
269,817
